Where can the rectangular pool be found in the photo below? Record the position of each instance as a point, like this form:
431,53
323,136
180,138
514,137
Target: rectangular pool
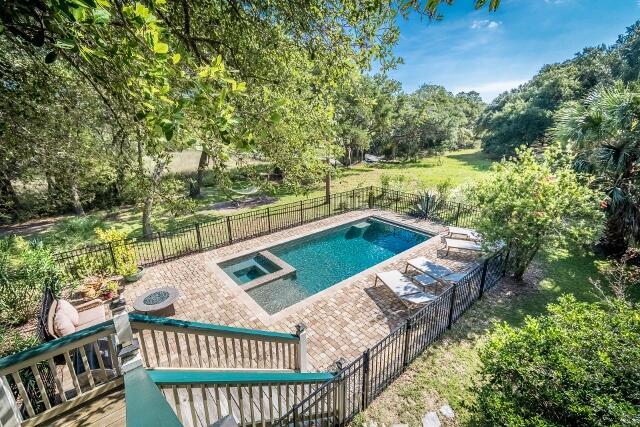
319,261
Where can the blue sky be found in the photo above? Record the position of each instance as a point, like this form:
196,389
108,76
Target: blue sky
494,52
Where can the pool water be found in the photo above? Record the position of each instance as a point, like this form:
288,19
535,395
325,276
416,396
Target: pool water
323,259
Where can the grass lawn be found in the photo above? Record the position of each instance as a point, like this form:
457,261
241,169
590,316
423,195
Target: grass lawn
459,167
446,372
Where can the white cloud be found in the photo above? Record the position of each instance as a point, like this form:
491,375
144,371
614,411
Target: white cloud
490,90
483,24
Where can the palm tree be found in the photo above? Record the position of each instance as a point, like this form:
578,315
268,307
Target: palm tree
605,131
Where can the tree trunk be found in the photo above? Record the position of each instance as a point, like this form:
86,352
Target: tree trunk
75,199
147,208
8,197
194,189
613,243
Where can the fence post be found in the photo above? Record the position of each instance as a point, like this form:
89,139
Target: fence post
371,198
198,236
161,246
229,230
113,258
505,264
484,276
302,363
453,304
301,214
407,341
397,197
11,416
342,392
458,214
365,378
269,219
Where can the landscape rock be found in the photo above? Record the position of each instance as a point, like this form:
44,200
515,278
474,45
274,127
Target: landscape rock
430,419
447,411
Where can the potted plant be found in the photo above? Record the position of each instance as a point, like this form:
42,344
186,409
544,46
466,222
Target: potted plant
110,289
123,254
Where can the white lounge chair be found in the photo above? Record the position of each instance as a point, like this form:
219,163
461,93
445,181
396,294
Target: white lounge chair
467,233
427,266
404,288
426,280
466,245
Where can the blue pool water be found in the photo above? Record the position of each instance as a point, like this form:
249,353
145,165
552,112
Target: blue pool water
323,259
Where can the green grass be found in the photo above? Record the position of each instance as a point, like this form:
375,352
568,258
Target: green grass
459,167
446,372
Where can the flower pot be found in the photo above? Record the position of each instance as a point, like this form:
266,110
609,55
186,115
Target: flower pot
135,276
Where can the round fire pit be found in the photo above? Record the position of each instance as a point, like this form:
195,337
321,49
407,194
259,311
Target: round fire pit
158,301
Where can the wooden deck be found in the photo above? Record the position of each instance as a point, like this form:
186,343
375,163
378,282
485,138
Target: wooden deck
103,411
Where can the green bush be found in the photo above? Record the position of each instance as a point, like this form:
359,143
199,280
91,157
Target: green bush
123,254
578,365
26,268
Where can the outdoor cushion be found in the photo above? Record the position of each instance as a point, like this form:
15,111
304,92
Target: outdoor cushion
429,267
50,316
69,310
63,325
400,284
91,317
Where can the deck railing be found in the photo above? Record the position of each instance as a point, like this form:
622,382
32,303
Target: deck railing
169,245
357,384
176,343
253,398
44,381
53,377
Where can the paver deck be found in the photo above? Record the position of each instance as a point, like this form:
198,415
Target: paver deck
342,321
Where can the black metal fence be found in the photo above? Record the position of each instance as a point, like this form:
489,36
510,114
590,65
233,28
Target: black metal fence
166,246
357,384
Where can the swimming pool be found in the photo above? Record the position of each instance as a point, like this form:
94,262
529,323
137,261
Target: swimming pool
318,261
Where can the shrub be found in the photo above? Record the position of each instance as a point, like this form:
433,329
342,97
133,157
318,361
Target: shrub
26,268
578,365
123,254
531,203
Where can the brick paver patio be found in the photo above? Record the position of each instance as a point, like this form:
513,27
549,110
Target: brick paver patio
341,321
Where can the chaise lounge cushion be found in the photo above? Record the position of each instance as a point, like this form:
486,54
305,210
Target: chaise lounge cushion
65,319
91,316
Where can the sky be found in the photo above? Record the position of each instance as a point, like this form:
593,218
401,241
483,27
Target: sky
491,52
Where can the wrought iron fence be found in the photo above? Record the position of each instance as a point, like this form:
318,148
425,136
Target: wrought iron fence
169,245
357,384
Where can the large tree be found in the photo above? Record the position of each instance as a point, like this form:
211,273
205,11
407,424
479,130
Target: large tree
604,131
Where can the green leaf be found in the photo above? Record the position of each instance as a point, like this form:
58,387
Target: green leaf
175,58
276,117
161,48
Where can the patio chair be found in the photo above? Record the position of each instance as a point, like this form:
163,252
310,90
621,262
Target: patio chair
427,266
403,288
466,233
466,245
426,280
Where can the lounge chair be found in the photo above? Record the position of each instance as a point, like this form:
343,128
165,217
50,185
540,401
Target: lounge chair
466,245
426,280
425,265
404,288
467,233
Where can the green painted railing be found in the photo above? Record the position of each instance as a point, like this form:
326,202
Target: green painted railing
203,376
209,327
146,405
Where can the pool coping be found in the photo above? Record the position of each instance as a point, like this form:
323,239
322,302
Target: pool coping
212,267
285,270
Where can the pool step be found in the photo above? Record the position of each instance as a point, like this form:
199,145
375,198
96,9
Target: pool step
357,230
